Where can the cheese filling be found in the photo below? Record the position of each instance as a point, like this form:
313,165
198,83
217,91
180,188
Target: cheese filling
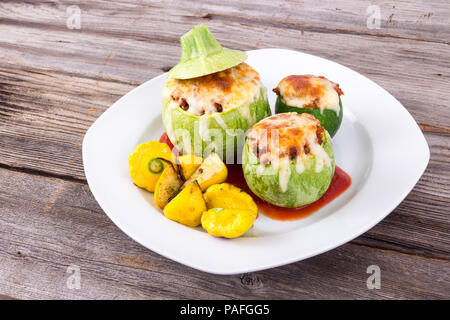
215,93
308,91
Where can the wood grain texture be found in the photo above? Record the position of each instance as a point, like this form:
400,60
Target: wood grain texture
45,116
60,224
417,20
54,82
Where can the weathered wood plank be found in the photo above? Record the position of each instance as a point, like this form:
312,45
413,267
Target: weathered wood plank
44,117
417,20
59,224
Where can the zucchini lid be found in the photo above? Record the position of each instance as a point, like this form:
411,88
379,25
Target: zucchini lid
201,54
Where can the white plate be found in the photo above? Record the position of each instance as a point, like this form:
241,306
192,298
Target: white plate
379,144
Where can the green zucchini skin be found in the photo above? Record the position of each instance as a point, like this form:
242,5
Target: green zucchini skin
328,118
303,188
176,121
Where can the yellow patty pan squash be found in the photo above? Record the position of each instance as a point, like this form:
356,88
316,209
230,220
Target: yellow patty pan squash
227,223
187,207
231,212
211,171
146,164
227,196
167,186
189,164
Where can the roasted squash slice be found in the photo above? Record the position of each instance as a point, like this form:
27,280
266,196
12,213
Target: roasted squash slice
211,171
187,207
167,186
227,223
188,164
227,196
145,163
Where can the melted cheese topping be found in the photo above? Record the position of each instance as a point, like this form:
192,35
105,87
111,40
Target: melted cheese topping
309,91
217,92
287,138
284,174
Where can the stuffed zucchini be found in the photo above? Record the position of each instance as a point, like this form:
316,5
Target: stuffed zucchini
288,159
314,95
213,112
212,97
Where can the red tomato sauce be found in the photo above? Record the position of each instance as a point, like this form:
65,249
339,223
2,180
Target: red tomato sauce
341,181
165,139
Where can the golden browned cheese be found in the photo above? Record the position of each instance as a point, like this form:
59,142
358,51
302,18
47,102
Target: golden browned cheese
285,135
308,91
217,92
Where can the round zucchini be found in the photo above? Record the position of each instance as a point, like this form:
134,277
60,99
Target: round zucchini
296,168
302,189
223,133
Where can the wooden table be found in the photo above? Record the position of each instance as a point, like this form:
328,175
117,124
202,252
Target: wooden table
55,80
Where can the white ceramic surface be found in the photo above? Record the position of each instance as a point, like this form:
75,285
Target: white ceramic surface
379,144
